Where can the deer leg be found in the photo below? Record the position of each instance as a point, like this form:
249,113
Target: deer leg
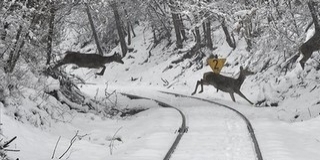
201,83
102,71
195,90
240,94
232,96
304,59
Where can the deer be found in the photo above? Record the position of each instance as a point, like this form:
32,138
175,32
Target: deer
225,84
307,48
89,60
313,44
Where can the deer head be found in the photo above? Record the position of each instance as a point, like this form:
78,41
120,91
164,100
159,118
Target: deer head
244,72
117,58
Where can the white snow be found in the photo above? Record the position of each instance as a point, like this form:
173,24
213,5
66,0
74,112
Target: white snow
289,131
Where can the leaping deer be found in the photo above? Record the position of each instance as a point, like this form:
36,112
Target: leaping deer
89,60
225,84
313,44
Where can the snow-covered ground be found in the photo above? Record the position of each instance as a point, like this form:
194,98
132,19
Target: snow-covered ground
289,131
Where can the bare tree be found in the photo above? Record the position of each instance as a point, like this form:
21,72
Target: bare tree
50,31
94,32
230,41
208,34
182,30
176,23
29,19
15,52
121,35
129,26
155,18
197,30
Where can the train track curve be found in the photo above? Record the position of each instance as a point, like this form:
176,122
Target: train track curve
183,128
248,123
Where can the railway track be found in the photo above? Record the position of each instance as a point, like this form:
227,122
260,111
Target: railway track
248,123
183,128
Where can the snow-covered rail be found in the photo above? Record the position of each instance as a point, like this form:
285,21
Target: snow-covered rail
249,126
181,130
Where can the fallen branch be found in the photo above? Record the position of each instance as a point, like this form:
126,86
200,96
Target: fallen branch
165,82
55,148
71,143
112,141
11,150
108,95
6,144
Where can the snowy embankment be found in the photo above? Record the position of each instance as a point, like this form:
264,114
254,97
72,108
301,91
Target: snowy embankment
132,139
288,131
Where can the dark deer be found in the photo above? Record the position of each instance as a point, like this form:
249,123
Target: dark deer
313,44
307,48
89,60
223,83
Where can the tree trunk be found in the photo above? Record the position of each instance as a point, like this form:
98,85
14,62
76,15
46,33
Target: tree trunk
163,24
129,33
204,28
15,52
208,35
198,35
123,44
132,30
93,30
128,27
182,31
176,24
50,32
175,18
230,41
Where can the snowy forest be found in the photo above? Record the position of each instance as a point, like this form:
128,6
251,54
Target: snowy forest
66,67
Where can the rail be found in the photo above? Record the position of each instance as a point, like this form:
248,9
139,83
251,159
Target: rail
249,126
